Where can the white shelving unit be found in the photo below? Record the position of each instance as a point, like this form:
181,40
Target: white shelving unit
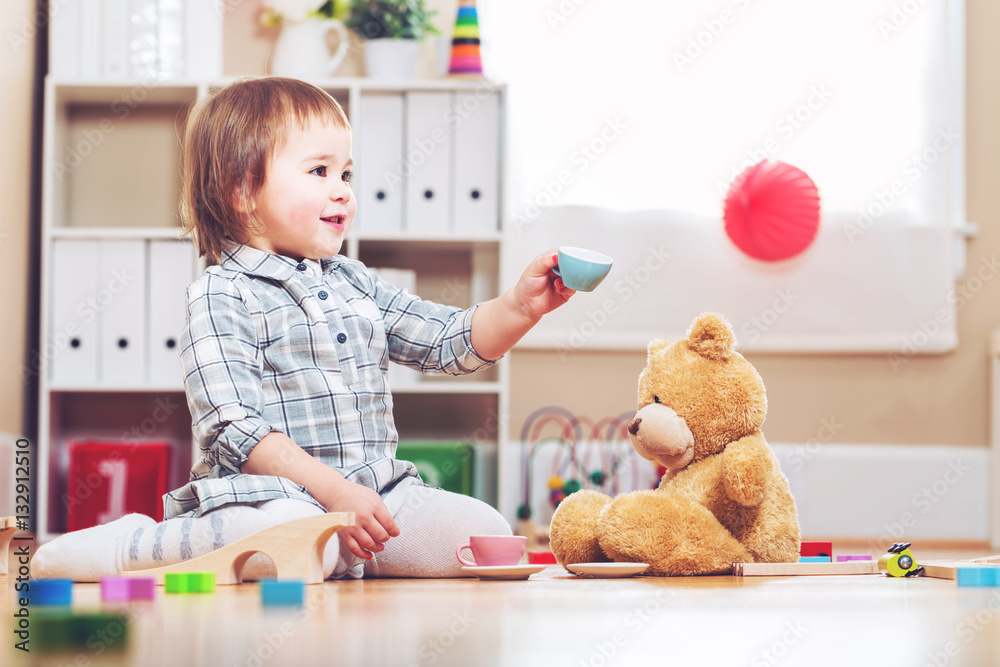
111,176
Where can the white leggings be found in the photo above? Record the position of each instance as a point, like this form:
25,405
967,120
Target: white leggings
432,524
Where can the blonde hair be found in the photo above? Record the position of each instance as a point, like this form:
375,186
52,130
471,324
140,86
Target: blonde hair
230,139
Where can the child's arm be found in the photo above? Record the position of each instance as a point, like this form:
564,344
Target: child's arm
277,454
498,324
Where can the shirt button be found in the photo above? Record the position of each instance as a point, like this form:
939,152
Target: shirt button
300,266
322,294
341,338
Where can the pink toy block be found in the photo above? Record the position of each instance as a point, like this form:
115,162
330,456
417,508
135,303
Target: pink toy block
114,589
121,589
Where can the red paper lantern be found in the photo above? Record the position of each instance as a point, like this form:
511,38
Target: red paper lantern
772,211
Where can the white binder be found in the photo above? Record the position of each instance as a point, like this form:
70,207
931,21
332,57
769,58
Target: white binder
379,186
477,157
171,270
427,161
91,30
64,40
144,53
117,33
121,298
203,38
71,347
170,38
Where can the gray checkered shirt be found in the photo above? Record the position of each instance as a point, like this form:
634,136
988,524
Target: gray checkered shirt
272,344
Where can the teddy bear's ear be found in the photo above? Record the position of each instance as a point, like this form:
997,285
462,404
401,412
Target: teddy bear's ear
654,347
712,337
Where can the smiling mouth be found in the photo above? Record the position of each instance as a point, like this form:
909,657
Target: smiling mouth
335,219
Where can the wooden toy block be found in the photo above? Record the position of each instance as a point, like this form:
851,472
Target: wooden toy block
948,569
814,559
850,557
803,569
275,593
8,526
816,548
50,592
66,632
295,547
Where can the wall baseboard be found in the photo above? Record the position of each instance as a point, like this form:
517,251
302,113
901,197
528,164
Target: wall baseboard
889,493
882,493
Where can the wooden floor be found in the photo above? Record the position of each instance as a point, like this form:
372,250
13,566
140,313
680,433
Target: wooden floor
556,619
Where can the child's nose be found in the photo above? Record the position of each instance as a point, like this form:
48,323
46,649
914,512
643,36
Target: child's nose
341,192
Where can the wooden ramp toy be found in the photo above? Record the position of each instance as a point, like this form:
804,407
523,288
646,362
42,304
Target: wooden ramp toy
8,526
296,547
804,569
948,569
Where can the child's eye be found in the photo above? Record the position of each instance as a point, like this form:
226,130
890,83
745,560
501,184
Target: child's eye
321,171
346,176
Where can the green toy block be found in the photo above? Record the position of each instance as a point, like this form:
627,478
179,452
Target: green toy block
201,582
190,582
176,582
67,632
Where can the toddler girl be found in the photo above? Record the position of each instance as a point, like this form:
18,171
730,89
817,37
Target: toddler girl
285,354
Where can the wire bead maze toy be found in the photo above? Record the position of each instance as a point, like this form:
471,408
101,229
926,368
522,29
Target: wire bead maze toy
609,437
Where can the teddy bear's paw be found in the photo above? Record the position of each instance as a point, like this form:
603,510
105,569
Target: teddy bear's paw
674,535
573,532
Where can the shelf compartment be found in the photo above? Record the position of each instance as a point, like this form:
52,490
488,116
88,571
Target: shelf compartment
131,417
465,417
130,137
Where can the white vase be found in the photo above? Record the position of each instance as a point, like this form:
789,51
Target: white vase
391,58
302,52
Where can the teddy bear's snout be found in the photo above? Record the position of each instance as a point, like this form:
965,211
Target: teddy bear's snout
660,434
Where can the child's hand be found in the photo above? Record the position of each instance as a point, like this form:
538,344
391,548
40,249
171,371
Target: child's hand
373,525
539,291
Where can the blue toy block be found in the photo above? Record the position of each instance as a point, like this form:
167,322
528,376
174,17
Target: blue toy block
274,593
978,576
50,592
814,559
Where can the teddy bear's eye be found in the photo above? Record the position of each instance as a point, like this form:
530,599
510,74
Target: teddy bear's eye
656,399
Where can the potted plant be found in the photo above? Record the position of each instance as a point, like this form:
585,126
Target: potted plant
392,30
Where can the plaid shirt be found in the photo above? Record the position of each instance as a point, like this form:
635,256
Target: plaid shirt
272,344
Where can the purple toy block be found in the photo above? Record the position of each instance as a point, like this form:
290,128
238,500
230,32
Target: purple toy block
142,588
844,559
114,589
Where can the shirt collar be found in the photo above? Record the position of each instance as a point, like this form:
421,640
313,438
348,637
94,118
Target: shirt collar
244,259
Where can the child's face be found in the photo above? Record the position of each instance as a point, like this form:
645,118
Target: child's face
306,205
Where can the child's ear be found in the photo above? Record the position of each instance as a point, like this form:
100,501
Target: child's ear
242,202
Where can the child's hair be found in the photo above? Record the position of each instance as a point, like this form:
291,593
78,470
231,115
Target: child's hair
231,136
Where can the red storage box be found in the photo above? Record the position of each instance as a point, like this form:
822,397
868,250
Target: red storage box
108,480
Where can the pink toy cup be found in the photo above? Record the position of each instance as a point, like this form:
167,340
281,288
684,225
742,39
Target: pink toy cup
493,550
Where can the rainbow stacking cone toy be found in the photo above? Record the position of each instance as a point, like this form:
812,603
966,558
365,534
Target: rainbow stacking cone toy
465,56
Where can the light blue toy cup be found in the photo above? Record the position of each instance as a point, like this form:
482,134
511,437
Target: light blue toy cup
582,269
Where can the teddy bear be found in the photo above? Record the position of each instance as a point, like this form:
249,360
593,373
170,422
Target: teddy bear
723,499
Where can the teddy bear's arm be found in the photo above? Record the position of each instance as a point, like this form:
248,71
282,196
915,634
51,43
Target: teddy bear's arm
747,467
